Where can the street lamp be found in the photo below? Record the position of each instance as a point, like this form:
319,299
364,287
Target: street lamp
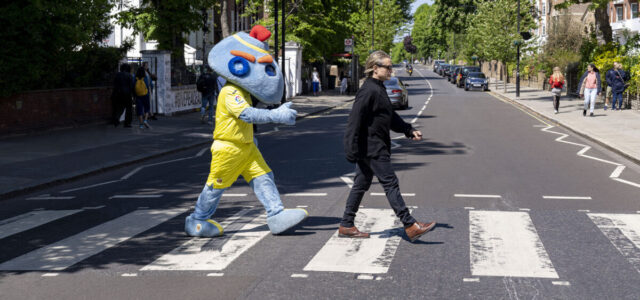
373,21
518,57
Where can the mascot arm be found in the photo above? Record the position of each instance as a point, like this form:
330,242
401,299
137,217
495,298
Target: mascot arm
283,114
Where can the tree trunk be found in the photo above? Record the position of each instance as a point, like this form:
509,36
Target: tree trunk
224,19
602,22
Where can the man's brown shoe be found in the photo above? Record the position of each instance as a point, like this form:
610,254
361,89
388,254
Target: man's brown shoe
418,229
352,232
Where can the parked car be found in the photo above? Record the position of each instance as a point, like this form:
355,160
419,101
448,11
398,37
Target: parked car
449,70
397,93
463,75
436,64
454,75
476,80
441,69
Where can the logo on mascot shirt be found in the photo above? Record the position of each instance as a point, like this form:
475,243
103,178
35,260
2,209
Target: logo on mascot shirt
239,99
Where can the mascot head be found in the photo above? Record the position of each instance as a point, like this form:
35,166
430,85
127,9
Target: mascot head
244,60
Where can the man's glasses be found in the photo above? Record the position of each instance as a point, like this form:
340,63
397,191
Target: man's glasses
388,67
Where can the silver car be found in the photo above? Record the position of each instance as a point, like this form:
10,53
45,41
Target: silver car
397,93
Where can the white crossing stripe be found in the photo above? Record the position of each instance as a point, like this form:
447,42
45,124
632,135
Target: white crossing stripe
214,254
368,256
67,252
234,195
305,195
365,277
623,230
31,220
565,283
403,194
50,274
506,243
470,279
135,196
51,198
566,197
299,275
215,274
475,196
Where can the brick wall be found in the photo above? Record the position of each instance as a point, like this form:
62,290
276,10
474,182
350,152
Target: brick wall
39,110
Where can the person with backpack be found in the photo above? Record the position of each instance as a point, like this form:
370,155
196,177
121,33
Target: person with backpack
556,82
207,85
617,79
122,96
143,104
589,87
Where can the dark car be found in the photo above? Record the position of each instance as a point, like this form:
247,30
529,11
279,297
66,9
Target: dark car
441,69
463,75
397,93
436,65
449,70
476,80
454,75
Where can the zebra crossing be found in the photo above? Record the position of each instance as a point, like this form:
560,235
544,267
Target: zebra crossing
501,243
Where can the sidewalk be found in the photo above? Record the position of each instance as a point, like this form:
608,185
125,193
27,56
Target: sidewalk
37,160
617,130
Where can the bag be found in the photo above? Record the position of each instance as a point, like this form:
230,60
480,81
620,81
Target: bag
141,87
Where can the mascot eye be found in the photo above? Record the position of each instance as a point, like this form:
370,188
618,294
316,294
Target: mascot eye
239,66
270,70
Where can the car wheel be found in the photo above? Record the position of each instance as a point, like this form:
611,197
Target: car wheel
466,88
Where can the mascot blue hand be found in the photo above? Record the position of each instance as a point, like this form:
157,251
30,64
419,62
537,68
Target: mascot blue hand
283,114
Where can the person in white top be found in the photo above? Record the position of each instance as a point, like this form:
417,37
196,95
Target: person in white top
315,79
343,85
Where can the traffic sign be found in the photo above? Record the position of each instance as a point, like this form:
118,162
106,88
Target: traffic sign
348,42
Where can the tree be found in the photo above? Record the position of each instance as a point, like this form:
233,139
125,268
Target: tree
599,8
428,36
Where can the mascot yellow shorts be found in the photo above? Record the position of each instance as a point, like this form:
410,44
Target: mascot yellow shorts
229,160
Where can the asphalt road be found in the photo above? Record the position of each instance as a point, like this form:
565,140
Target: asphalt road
521,214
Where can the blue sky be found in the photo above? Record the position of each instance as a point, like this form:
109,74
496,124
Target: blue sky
417,4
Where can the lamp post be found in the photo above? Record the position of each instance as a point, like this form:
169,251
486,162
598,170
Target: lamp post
373,21
518,57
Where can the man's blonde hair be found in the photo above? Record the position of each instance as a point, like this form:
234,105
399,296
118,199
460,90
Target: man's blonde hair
374,59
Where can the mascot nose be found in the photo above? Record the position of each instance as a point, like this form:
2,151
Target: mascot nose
239,66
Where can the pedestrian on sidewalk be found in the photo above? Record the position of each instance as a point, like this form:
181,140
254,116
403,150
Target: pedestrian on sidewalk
143,104
315,81
556,81
590,87
122,96
367,143
619,79
343,84
150,78
609,91
207,85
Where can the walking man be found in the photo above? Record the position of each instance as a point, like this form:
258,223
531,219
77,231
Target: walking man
208,86
122,96
618,80
367,143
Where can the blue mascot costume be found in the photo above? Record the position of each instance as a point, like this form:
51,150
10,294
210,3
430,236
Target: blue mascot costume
243,60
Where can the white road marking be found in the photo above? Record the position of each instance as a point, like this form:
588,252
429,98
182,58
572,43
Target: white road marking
616,172
506,243
584,210
50,274
302,206
470,279
51,198
93,207
215,274
214,254
305,194
129,275
365,277
403,194
234,195
135,196
395,145
567,197
31,220
524,209
348,181
368,256
201,153
623,230
89,186
138,169
475,196
469,207
299,275
67,252
563,283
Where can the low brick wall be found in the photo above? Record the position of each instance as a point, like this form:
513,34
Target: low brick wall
39,110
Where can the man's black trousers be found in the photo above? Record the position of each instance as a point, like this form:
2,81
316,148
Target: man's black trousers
365,169
119,105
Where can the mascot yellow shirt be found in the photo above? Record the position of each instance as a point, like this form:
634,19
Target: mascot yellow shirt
233,152
231,102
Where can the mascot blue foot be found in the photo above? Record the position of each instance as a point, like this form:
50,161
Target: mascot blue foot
286,219
202,228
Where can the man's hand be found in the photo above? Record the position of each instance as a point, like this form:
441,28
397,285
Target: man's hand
417,135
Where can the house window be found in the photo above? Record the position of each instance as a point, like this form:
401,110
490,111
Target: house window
544,30
634,10
619,16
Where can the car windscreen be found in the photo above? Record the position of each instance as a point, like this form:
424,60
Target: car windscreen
476,75
391,82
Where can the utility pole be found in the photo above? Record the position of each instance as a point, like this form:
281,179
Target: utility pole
275,29
518,56
373,21
284,76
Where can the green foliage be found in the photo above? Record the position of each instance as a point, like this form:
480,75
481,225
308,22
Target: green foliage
428,35
51,44
389,18
398,53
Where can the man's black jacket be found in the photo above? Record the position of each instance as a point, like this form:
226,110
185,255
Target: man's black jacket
371,117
